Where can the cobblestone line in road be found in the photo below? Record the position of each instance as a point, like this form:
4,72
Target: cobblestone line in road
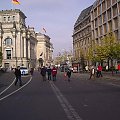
69,110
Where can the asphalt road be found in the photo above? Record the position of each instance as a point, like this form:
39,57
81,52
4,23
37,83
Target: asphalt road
80,99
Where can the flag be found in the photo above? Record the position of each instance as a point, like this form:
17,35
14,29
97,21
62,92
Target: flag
41,54
15,2
44,30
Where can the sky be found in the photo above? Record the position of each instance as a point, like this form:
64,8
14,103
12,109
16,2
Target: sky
56,16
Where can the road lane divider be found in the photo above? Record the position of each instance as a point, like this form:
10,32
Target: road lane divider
16,90
8,87
67,107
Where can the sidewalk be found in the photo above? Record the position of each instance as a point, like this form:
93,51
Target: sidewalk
108,77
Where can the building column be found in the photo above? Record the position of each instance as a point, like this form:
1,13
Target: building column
24,47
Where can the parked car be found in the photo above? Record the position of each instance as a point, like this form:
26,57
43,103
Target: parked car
24,70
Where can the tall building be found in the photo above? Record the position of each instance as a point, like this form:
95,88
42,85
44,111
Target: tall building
82,36
18,43
105,18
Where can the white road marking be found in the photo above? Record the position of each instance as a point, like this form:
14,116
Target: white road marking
113,84
8,87
16,90
69,110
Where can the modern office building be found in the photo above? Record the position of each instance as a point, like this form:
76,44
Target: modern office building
105,18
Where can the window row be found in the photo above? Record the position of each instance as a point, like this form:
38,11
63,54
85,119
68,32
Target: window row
8,18
101,9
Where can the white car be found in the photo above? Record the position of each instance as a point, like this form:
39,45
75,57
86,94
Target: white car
24,70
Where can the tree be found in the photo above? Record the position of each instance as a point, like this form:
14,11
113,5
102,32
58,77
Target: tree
108,50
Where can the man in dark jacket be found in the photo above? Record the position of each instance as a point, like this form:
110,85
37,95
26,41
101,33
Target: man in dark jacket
18,76
43,73
49,71
69,74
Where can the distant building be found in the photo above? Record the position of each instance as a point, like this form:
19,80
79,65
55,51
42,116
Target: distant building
44,50
19,43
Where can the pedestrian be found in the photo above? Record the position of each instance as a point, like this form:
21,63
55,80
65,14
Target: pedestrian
18,76
116,68
68,74
99,71
92,72
49,71
54,73
43,73
86,68
31,71
106,68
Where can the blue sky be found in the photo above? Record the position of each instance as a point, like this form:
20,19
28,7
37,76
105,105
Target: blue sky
56,16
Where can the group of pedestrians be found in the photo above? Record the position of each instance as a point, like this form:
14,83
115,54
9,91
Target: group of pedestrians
95,72
51,73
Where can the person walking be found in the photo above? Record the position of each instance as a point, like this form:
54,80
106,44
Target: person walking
43,73
54,73
99,71
49,71
18,76
92,72
68,74
31,71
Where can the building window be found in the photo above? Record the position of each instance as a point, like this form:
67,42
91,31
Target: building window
105,28
13,18
8,54
9,18
116,34
104,17
4,18
103,6
96,23
8,41
100,20
109,14
110,25
115,10
114,1
116,23
108,3
119,6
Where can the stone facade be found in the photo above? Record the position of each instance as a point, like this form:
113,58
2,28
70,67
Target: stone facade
104,18
18,43
82,35
44,50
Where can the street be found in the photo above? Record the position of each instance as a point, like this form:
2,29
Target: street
80,99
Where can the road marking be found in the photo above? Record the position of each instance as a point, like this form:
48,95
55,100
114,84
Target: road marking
8,87
113,84
69,110
16,90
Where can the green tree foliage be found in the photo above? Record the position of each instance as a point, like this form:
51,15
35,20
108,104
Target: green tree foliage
108,50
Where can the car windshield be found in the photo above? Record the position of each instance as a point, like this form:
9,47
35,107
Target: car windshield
23,68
